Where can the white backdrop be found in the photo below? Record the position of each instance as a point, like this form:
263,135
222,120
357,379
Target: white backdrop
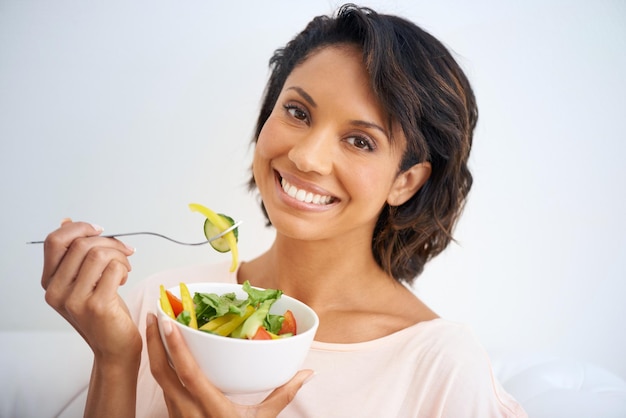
122,112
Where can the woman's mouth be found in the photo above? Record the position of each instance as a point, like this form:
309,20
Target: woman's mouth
305,196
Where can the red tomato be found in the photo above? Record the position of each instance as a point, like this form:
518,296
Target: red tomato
262,334
289,324
177,304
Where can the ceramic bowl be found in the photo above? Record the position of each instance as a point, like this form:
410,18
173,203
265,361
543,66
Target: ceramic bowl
247,366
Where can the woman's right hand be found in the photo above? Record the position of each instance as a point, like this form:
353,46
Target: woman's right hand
188,393
81,275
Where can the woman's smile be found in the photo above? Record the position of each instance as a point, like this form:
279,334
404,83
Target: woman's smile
302,194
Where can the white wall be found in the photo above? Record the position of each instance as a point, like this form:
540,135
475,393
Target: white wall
120,113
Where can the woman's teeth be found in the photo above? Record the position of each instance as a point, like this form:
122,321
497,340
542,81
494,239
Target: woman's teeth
303,195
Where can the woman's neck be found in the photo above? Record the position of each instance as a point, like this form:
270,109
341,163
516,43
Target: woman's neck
314,271
354,299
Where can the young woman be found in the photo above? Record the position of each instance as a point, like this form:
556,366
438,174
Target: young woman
361,165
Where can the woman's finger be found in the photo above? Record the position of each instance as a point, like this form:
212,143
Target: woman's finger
86,250
58,242
283,395
186,366
114,276
103,316
209,400
160,367
91,272
74,288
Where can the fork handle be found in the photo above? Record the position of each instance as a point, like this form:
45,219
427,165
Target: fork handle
125,234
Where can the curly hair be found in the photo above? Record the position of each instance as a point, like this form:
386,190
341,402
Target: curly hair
423,89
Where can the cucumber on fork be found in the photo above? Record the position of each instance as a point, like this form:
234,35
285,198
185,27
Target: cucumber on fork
210,230
215,224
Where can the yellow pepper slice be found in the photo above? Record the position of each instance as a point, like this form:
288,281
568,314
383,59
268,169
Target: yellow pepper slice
221,224
224,325
188,305
227,328
165,303
215,323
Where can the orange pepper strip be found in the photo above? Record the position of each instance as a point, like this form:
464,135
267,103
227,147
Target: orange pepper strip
177,305
165,303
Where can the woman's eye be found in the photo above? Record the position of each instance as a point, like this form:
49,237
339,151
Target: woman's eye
361,142
296,112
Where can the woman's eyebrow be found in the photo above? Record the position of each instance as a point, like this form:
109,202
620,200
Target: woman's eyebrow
304,95
366,124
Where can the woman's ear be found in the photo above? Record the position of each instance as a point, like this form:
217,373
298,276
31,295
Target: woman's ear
408,183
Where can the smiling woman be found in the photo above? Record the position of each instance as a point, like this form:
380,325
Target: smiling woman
360,162
396,72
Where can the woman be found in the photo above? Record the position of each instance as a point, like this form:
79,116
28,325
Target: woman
361,165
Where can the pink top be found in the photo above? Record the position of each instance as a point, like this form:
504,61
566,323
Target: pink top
432,369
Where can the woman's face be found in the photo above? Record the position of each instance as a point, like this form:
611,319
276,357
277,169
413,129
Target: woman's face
324,163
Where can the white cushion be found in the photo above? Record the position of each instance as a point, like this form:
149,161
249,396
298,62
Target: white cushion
550,387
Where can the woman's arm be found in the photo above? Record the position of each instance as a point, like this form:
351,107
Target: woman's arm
81,275
112,390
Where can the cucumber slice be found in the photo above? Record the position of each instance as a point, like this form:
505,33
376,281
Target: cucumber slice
210,230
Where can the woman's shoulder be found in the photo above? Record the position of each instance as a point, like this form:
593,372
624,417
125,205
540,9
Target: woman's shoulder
438,335
450,347
449,343
441,355
461,366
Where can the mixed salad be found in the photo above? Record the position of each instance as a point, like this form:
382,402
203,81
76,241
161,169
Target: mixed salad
228,316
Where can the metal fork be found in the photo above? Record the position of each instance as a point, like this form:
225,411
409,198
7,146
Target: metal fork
126,234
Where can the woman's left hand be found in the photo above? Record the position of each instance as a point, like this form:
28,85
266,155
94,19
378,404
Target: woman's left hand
188,393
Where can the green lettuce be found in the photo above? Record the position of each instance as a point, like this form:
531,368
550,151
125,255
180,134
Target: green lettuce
258,296
211,305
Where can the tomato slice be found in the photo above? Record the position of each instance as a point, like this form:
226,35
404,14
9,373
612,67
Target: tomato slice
289,324
177,304
262,334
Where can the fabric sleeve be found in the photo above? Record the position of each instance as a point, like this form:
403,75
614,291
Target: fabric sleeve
471,388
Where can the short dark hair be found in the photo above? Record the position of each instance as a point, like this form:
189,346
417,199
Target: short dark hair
424,90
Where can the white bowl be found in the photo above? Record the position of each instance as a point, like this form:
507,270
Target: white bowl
247,366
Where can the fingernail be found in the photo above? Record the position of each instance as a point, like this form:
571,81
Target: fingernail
133,249
98,228
65,220
149,319
309,377
167,327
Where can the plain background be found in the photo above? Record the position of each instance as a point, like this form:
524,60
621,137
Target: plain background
120,113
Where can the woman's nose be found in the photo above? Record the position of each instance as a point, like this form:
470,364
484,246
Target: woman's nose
313,153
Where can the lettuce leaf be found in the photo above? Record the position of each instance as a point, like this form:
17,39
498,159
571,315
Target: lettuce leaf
211,305
273,323
257,296
184,318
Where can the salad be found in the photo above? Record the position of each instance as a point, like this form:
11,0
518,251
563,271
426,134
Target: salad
228,316
225,314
